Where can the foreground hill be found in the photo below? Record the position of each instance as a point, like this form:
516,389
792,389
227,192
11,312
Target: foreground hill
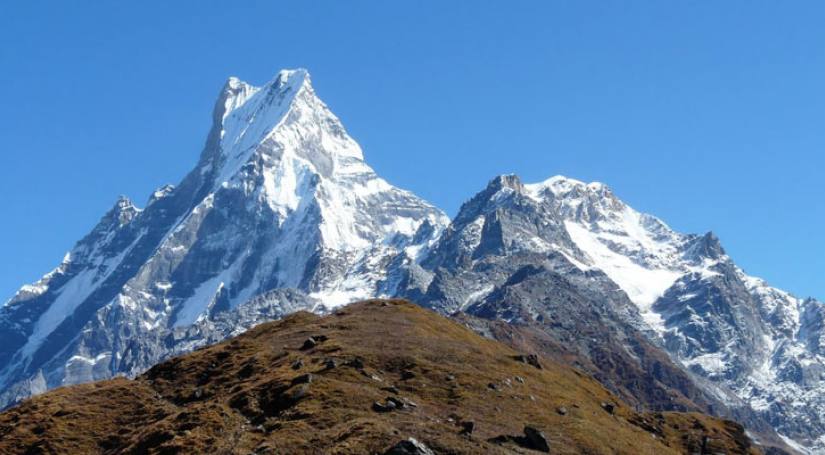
381,376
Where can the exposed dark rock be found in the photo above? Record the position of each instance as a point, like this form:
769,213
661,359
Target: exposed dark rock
385,407
409,447
406,375
608,407
309,344
535,439
467,428
396,402
303,379
530,359
356,363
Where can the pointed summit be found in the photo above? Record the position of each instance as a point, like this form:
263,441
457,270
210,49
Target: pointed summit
280,199
707,246
510,181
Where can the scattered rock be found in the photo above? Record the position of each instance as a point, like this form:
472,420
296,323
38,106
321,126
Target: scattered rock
533,439
406,375
519,379
397,402
385,407
608,407
536,440
313,341
501,439
309,344
295,394
561,410
493,386
409,447
391,389
530,359
303,379
450,378
330,364
298,364
356,363
467,428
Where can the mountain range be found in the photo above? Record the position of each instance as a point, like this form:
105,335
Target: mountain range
283,214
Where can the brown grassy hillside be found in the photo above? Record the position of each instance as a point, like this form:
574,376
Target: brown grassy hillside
270,391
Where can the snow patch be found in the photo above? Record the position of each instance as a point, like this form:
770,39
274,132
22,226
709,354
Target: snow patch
642,285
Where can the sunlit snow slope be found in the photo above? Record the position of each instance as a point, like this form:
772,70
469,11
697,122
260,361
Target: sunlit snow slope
760,342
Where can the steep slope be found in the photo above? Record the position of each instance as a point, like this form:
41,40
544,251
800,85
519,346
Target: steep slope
508,256
612,286
280,199
732,329
273,390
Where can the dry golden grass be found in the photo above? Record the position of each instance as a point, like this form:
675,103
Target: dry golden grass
248,395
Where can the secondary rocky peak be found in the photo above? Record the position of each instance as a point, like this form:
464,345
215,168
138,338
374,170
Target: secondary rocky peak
510,181
707,246
495,193
121,213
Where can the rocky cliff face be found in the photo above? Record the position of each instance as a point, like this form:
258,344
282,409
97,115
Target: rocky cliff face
281,213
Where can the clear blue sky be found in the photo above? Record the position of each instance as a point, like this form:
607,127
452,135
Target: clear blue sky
710,115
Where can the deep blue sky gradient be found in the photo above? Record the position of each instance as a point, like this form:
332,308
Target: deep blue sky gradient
710,115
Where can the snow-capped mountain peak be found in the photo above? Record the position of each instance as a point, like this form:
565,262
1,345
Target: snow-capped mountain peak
761,342
280,198
754,344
